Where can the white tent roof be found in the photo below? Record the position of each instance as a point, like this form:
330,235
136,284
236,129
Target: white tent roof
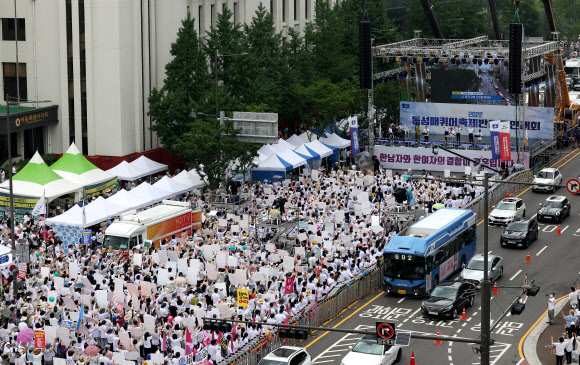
151,192
285,145
96,212
292,158
319,148
147,164
335,140
127,199
272,163
189,178
304,137
303,151
127,172
172,186
269,150
296,141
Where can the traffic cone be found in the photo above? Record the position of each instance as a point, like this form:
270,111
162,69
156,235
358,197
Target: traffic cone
508,194
463,316
412,359
494,291
559,231
528,258
438,341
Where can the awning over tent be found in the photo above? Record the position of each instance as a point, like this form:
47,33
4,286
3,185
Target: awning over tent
274,163
172,186
127,172
147,164
96,212
334,140
319,148
292,158
36,177
73,166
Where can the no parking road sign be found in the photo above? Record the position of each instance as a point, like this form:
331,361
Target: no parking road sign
573,186
385,333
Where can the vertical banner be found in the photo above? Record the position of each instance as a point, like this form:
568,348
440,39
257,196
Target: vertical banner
21,271
504,138
39,340
354,143
495,144
87,236
289,287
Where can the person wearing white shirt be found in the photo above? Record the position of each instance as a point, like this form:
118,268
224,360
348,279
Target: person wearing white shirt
470,131
560,347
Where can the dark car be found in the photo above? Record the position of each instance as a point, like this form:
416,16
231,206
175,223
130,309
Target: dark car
554,209
448,299
520,233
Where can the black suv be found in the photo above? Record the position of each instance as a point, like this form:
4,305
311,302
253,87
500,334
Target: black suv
448,299
520,233
555,208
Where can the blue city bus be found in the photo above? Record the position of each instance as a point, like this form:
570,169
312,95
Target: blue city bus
429,251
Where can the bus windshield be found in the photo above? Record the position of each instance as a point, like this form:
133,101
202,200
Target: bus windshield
407,267
116,242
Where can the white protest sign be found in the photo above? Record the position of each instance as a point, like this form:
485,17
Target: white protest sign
162,276
182,266
73,269
137,259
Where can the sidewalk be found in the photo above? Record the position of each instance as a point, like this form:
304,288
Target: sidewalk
535,350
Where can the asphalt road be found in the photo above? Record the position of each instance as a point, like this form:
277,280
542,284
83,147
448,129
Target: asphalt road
553,267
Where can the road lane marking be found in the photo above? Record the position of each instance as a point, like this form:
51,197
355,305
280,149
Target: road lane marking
542,250
412,315
521,344
516,274
565,228
401,301
344,320
322,361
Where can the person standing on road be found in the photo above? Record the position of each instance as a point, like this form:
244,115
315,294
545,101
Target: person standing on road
551,307
560,347
571,347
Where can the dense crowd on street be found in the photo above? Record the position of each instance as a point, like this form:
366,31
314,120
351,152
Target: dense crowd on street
100,306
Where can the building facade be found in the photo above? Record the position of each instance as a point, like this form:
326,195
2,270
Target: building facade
98,60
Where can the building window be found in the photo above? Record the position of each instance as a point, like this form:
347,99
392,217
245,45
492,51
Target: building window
212,15
200,24
236,13
9,72
295,9
9,31
223,7
306,5
284,11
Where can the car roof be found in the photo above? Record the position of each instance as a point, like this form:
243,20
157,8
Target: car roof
549,169
556,198
284,352
511,200
522,220
479,257
451,284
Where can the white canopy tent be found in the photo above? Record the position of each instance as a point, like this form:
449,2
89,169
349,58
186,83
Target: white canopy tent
334,140
189,178
292,158
296,141
273,163
285,145
127,172
304,137
96,212
304,151
269,150
73,166
150,192
147,164
172,186
319,148
129,199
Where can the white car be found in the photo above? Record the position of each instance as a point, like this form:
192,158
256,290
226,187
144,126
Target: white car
507,210
549,176
367,352
287,355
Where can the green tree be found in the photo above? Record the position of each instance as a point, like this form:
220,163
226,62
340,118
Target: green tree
185,89
386,98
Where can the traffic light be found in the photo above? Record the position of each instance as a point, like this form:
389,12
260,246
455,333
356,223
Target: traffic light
515,58
533,290
207,325
365,56
225,327
299,334
518,308
215,326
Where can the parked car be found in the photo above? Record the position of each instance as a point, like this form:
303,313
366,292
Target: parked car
366,351
555,209
473,271
287,355
448,299
507,210
520,233
549,176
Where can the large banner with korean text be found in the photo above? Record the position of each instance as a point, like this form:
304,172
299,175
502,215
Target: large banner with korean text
538,121
422,158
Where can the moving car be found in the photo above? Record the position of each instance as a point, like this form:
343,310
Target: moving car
549,176
448,299
520,233
507,210
555,208
366,351
287,355
473,271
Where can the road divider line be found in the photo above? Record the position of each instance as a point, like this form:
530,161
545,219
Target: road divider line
542,250
344,320
401,300
565,228
516,274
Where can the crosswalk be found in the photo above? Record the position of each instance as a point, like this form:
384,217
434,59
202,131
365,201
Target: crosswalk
340,348
496,351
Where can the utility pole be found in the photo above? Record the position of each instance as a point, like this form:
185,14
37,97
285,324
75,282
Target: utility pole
12,235
485,285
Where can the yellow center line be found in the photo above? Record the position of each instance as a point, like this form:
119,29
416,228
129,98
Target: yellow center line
521,345
344,320
554,164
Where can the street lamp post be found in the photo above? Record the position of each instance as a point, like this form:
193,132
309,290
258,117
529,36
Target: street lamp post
217,56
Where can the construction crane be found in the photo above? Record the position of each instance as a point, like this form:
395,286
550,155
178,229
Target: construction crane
565,113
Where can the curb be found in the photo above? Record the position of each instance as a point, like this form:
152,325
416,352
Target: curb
531,341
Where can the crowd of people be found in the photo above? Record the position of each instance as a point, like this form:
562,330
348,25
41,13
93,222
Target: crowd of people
100,306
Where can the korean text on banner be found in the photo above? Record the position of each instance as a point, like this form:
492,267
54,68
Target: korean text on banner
87,235
289,287
21,271
243,297
39,339
504,138
494,127
354,142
